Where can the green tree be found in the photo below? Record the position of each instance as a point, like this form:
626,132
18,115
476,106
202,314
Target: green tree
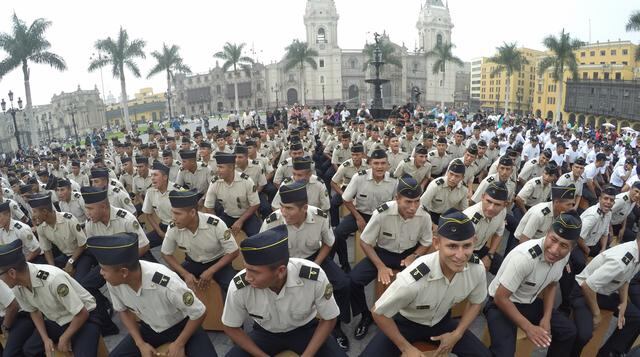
28,44
233,56
510,60
299,53
169,61
562,58
634,25
387,50
443,53
120,54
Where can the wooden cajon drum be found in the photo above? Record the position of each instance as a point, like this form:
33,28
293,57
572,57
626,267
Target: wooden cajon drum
524,347
180,255
238,263
358,252
343,211
287,354
458,309
102,350
380,288
591,348
427,349
211,297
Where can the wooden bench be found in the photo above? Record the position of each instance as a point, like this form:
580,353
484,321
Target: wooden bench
357,251
380,288
427,349
458,309
238,263
102,349
524,347
591,348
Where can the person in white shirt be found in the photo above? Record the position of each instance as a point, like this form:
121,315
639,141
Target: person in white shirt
531,149
591,175
622,173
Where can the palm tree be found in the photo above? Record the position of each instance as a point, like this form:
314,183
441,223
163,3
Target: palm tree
442,53
233,57
509,60
387,50
168,60
634,25
562,58
28,44
120,54
299,53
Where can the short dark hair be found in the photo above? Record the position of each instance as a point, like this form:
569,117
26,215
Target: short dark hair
279,263
20,267
133,266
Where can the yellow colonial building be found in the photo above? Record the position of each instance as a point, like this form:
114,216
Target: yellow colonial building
522,85
145,106
607,68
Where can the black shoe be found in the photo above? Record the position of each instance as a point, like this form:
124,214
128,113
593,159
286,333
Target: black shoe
363,327
341,339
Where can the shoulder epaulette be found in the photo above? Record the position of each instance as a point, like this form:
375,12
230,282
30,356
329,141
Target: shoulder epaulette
214,179
175,185
204,164
172,224
625,197
476,218
121,213
538,181
42,275
567,176
534,161
213,221
310,273
18,225
320,180
362,172
160,279
77,194
383,207
439,181
535,251
321,213
420,271
407,159
255,162
272,217
116,190
490,179
346,163
546,211
432,153
244,176
67,215
240,281
464,184
474,259
284,162
628,257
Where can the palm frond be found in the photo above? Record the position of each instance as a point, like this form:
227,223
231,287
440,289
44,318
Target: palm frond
634,22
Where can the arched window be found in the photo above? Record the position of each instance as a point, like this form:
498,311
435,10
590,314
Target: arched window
353,63
321,79
321,37
439,39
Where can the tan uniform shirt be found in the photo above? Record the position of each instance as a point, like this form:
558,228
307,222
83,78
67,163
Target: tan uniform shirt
198,180
439,163
389,231
611,269
485,227
66,234
568,179
158,202
18,230
346,171
534,192
235,198
536,222
120,221
75,206
595,224
622,206
317,194
439,197
407,167
368,193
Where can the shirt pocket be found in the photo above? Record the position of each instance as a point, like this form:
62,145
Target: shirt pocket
259,313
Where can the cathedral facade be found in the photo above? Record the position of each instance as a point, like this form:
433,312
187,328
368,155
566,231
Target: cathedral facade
339,76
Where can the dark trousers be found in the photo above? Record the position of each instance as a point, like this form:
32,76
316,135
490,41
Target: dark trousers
468,345
347,226
334,210
341,286
82,265
621,340
222,276
84,342
496,262
365,272
251,226
295,340
577,262
22,326
198,345
513,219
503,330
154,238
265,207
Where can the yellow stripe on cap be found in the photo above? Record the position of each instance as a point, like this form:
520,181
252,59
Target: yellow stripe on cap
567,225
265,247
410,186
111,247
11,251
93,193
304,187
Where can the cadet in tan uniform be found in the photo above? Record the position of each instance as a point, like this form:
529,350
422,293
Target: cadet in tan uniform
505,168
193,176
117,197
575,178
173,165
310,237
343,176
289,299
369,189
395,154
76,175
233,197
168,311
623,205
70,201
11,230
439,158
416,305
13,321
141,182
446,192
208,244
316,190
255,170
535,168
399,232
126,176
61,229
285,168
536,190
524,291
60,308
488,217
417,166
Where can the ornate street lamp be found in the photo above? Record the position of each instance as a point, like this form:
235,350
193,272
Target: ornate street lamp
72,109
13,112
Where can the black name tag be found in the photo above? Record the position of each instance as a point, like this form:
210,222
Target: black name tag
387,234
256,316
423,307
529,283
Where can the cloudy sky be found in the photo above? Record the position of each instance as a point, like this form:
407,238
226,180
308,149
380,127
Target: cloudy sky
201,29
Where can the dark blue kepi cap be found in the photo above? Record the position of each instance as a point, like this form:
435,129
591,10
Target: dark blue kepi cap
40,200
294,192
187,154
498,191
93,194
182,199
225,158
268,247
5,206
11,253
457,166
567,225
160,167
409,187
301,163
563,192
99,173
115,249
455,225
